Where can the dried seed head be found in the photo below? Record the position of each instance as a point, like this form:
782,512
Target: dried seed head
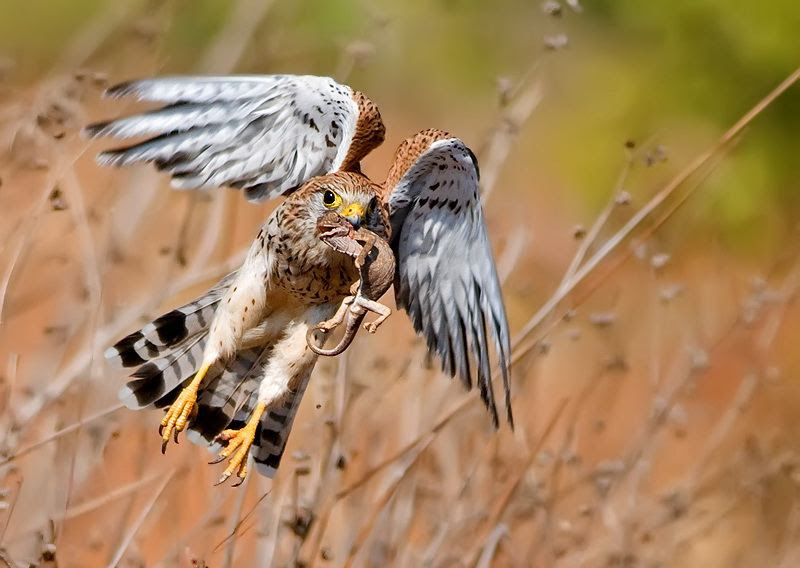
656,155
575,5
622,198
57,201
551,8
659,260
698,359
556,42
504,88
670,292
602,319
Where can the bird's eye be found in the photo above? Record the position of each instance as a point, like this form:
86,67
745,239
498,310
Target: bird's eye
330,199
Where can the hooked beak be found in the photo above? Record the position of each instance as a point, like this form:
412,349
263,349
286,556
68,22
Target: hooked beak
354,213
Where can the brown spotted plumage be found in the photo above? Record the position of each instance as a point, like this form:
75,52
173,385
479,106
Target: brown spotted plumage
409,152
369,133
239,352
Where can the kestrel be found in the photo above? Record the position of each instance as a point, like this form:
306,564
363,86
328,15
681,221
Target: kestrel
233,364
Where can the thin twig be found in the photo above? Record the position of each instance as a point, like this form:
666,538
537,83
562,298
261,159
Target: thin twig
92,504
239,523
140,519
513,484
382,501
60,434
659,198
236,523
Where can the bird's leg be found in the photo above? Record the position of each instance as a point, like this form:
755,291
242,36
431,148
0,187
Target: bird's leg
241,309
180,411
238,446
282,375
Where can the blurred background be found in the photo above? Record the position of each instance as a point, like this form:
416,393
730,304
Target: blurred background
656,367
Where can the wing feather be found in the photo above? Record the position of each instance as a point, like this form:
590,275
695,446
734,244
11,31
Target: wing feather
263,134
446,276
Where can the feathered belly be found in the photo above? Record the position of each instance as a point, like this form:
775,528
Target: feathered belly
317,279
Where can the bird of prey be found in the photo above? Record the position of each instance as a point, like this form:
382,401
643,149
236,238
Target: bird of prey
232,365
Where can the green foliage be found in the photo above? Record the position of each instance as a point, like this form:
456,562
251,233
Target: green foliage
677,71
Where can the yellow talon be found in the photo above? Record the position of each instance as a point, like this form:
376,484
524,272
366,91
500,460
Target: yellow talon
180,411
238,446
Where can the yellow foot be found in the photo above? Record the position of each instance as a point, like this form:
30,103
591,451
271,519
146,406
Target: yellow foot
238,447
180,411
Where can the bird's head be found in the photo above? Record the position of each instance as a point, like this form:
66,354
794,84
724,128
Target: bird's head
354,198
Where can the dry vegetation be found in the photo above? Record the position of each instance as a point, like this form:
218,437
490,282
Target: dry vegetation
655,417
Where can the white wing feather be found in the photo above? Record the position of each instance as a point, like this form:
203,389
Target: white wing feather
265,134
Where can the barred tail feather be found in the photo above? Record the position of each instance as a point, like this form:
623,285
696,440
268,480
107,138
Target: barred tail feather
274,429
168,331
226,396
156,379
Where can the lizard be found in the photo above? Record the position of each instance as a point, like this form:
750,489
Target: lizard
374,259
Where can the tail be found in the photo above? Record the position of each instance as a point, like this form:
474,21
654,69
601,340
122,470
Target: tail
167,353
168,332
274,429
228,395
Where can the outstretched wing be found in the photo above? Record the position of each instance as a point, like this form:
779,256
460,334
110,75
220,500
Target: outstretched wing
264,134
446,278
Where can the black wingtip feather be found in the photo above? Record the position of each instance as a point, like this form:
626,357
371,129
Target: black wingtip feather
95,130
111,157
120,90
474,159
481,347
509,413
467,375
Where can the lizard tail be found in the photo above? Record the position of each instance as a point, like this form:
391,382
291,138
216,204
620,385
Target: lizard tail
349,334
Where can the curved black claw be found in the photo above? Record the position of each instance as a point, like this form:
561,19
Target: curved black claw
164,447
217,460
222,479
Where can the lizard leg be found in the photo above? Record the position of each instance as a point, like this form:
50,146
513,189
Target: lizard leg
375,307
